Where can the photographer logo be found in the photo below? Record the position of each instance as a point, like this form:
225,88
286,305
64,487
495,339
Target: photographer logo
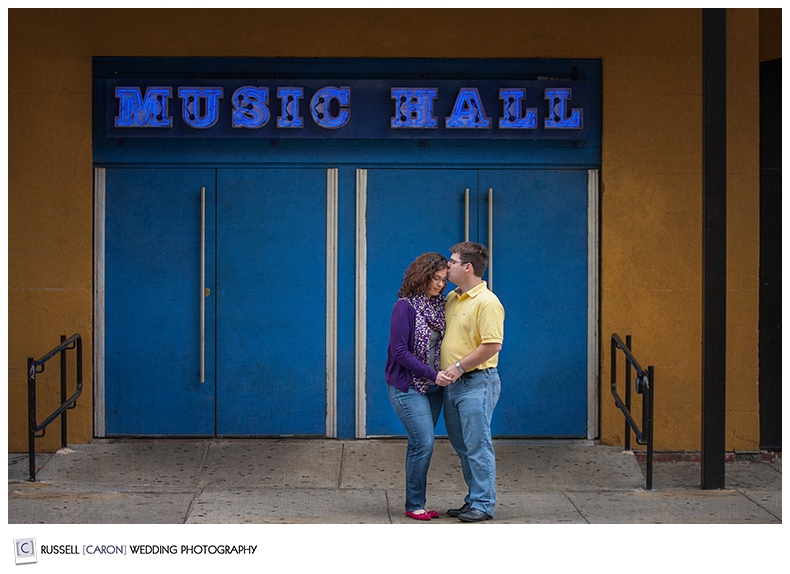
25,550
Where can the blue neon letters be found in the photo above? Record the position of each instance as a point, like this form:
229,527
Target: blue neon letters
411,109
290,117
558,117
321,107
515,116
200,106
134,111
468,111
250,107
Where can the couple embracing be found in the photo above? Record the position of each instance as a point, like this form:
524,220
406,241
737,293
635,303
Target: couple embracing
443,352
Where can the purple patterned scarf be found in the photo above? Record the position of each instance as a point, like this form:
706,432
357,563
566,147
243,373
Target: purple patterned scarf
430,316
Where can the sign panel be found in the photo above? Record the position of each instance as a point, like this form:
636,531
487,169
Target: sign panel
340,109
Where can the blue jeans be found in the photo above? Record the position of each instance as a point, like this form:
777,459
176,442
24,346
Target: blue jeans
419,415
468,407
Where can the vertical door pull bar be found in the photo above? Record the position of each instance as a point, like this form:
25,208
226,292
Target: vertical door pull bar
466,215
490,239
202,284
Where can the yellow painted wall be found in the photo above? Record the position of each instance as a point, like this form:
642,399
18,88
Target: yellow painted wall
651,171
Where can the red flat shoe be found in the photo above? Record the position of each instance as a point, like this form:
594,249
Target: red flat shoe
420,516
433,513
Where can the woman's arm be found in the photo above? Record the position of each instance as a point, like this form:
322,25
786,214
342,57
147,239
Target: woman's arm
401,328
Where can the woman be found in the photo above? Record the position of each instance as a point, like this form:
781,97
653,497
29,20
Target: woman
412,370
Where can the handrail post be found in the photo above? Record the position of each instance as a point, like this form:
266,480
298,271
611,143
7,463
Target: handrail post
628,394
31,417
63,396
649,427
75,342
644,386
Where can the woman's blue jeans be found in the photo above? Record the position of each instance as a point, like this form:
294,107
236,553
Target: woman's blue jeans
468,407
419,415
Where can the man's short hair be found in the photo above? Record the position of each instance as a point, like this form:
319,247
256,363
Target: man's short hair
473,253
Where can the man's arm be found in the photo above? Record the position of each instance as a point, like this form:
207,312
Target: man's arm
480,355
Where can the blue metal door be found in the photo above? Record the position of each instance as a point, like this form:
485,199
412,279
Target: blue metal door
271,302
409,212
535,223
538,230
152,275
263,335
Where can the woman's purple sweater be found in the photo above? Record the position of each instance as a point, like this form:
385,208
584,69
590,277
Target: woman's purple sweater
401,362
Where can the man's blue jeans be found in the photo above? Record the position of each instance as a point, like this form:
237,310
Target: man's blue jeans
419,415
468,407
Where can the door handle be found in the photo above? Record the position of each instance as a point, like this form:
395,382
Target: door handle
466,214
491,239
203,292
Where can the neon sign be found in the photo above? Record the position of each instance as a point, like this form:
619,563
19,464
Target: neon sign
352,109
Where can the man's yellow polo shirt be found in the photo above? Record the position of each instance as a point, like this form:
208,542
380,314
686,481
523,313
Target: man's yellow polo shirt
473,318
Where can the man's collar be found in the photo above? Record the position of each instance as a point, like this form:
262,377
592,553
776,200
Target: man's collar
474,291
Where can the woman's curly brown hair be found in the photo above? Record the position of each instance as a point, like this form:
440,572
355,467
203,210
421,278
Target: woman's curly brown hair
420,272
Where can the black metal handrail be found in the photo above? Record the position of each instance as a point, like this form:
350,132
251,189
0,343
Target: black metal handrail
37,366
644,385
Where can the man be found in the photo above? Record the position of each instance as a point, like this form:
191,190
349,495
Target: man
469,357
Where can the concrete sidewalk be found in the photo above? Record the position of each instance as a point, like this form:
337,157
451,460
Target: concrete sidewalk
323,481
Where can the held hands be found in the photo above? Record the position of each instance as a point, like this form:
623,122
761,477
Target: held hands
448,376
443,379
453,373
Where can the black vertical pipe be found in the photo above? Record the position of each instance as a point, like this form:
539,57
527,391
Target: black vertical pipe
31,417
714,242
771,255
649,423
628,394
63,396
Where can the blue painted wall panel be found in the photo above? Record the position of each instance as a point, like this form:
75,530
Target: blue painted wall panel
152,303
271,310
